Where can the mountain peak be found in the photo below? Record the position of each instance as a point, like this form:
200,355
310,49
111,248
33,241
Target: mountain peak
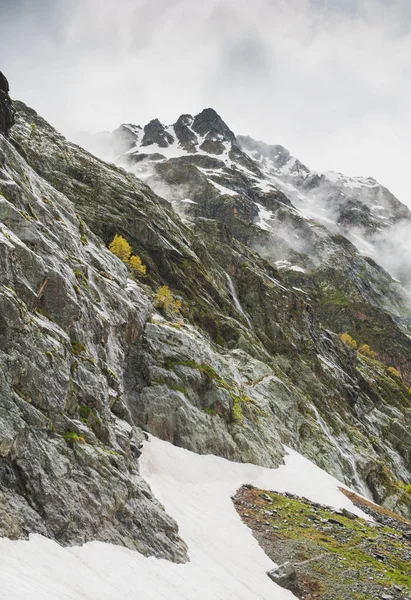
208,123
156,133
6,107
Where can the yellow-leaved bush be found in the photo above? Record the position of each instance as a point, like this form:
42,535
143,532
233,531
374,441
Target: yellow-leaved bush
137,266
164,300
393,372
122,249
366,350
348,340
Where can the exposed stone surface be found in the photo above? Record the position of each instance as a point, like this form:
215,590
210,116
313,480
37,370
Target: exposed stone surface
6,107
265,364
68,316
324,554
253,360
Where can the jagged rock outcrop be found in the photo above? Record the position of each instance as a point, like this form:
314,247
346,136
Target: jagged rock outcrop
6,107
68,316
252,361
262,197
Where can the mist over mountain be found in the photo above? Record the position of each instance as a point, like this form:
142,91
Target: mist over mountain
185,311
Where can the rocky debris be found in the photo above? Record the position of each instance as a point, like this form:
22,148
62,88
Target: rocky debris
6,107
380,514
335,555
285,575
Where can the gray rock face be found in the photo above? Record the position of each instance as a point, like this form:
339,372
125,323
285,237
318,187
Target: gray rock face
68,316
184,133
243,368
6,107
249,197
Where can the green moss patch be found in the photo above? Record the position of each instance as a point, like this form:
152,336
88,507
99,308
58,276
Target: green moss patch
334,554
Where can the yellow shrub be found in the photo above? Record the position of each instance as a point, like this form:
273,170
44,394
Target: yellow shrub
348,340
164,299
366,350
176,306
393,372
120,247
137,266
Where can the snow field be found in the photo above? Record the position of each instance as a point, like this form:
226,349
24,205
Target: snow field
226,562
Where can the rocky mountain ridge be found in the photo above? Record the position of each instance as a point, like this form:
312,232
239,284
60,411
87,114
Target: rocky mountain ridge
357,207
252,361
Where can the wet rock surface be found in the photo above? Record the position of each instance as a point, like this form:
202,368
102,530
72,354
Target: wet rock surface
279,355
324,554
68,317
253,359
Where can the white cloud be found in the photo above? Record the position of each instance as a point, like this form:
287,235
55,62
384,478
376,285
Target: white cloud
329,80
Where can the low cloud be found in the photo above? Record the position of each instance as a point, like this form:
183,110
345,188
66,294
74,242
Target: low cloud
329,79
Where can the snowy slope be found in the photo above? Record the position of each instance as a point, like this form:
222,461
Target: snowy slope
226,562
359,208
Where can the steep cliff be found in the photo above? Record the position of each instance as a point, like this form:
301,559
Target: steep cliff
252,360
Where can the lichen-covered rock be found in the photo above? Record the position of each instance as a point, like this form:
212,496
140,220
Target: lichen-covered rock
252,361
68,315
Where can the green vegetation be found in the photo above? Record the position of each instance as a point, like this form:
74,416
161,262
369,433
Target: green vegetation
349,550
31,211
82,279
111,373
237,415
50,356
82,230
178,388
44,313
84,412
78,348
72,437
239,398
211,412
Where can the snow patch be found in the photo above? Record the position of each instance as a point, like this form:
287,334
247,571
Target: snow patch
264,216
224,190
226,562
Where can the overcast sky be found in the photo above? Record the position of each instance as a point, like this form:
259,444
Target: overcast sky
328,79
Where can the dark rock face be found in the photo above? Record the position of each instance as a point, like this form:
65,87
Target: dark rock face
6,107
155,133
209,123
185,135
